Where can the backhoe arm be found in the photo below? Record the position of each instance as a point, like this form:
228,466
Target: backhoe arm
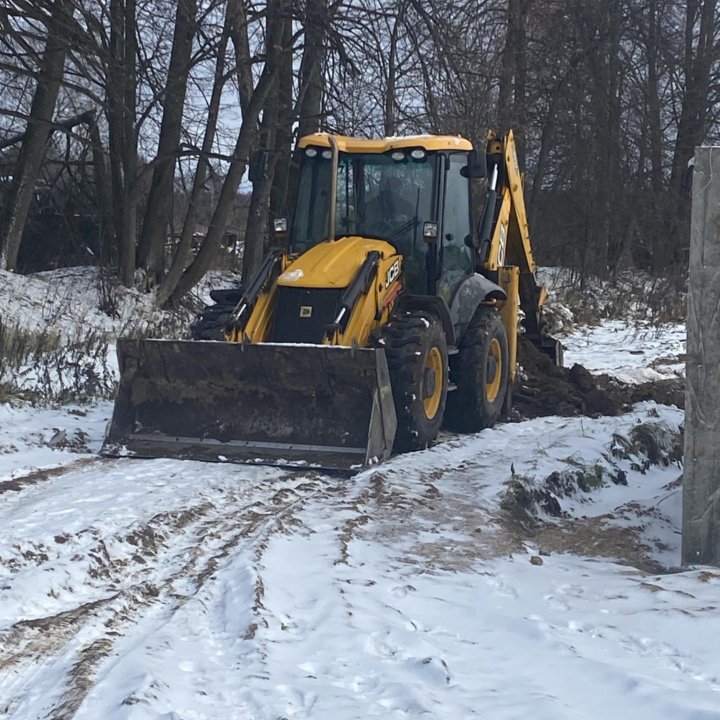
507,244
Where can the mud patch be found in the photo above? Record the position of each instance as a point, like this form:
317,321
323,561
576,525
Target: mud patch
545,389
595,538
428,524
37,476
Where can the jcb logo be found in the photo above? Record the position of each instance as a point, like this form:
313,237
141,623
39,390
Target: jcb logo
305,311
392,273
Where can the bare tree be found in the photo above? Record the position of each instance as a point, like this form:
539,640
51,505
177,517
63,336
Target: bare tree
49,76
277,28
511,110
151,247
182,255
701,53
246,140
121,111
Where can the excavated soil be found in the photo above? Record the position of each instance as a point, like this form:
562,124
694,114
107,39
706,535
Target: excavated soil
546,389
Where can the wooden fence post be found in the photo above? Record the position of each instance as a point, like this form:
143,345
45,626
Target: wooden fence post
701,475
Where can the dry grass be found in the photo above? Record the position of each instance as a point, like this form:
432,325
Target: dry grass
37,366
634,295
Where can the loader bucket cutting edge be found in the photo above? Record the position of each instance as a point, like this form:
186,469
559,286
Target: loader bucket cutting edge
303,405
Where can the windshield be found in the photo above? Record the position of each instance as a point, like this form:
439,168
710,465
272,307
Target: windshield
386,196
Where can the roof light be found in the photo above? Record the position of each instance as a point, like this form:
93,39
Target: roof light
327,154
418,154
311,152
398,156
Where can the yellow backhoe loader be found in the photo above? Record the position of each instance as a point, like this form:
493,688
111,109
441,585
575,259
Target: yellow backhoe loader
393,309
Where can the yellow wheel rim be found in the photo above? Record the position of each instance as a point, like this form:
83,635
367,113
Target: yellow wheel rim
493,371
432,389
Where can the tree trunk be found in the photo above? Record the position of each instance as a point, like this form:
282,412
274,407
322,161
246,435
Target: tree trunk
507,74
615,224
50,76
151,248
660,240
130,157
389,119
246,139
183,252
310,90
103,190
121,107
243,63
311,78
256,229
519,118
284,133
511,111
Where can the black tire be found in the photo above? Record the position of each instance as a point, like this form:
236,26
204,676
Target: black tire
478,401
416,352
210,325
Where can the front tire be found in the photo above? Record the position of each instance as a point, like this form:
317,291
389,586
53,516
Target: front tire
416,351
480,372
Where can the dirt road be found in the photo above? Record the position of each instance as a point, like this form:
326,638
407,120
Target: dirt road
174,590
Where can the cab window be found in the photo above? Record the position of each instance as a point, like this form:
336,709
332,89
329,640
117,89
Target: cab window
457,261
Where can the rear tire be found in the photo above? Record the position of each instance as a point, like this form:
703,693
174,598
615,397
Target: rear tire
416,351
480,372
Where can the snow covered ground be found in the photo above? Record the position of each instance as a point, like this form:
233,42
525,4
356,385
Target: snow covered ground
58,330
165,589
429,587
632,352
68,303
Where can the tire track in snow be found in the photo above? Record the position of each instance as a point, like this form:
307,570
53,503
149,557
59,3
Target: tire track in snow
15,484
430,517
148,570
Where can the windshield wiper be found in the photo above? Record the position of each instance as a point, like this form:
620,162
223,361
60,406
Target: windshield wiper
410,224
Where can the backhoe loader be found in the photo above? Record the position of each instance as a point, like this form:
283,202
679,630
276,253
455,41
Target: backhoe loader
392,309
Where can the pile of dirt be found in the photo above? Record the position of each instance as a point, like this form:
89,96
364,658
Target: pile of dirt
546,389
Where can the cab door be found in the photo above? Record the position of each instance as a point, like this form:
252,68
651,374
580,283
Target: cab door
456,261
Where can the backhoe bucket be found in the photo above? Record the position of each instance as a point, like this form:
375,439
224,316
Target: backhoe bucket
304,405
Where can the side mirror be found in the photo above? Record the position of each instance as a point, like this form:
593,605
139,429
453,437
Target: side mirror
256,165
475,167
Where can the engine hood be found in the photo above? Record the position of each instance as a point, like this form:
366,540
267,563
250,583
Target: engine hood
332,264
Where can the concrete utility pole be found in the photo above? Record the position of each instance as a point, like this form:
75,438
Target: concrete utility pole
701,477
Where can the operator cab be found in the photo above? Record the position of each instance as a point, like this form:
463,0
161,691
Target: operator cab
410,192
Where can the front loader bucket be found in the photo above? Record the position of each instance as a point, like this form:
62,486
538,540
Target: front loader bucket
317,405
